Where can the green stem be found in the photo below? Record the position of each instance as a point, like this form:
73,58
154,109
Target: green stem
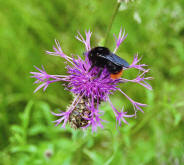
111,21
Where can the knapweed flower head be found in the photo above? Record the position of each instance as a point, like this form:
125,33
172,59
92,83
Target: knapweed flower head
88,89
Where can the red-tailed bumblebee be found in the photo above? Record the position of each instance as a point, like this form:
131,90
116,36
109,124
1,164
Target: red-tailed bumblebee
102,57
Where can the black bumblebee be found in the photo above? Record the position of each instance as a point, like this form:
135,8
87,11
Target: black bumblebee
102,57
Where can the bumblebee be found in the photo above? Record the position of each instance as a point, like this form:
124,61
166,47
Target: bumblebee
102,57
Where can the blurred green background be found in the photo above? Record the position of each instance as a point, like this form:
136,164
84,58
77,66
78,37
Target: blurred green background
27,135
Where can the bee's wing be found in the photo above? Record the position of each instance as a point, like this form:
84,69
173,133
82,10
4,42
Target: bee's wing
116,60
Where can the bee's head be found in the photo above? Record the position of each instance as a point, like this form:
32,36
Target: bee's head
100,50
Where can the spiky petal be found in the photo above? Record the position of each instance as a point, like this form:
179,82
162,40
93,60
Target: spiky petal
121,37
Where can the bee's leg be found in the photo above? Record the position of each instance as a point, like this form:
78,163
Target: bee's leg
92,66
99,73
106,76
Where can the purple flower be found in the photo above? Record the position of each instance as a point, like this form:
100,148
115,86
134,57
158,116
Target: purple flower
89,91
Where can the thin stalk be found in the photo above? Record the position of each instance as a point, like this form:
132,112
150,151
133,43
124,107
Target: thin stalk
112,20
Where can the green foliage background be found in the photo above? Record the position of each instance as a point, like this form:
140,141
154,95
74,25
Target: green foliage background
27,134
